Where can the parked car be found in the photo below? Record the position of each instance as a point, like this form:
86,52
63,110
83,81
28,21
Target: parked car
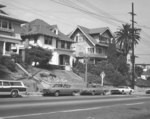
147,91
93,90
61,89
13,88
122,90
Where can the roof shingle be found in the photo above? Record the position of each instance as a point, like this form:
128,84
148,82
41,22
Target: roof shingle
41,27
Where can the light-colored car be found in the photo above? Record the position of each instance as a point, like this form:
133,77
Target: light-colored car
61,89
13,88
122,90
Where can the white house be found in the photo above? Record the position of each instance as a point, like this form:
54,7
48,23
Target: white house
40,33
10,30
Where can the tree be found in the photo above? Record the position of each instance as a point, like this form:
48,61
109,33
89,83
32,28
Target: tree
112,54
124,38
122,66
8,63
38,54
138,70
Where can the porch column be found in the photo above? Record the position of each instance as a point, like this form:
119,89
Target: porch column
17,46
4,48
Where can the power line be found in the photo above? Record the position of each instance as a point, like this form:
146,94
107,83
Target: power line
103,18
31,10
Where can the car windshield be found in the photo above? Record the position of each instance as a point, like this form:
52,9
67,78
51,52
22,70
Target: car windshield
122,87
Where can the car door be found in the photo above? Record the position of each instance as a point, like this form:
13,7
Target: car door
6,88
1,88
66,90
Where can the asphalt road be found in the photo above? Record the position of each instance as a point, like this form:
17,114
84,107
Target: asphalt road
55,107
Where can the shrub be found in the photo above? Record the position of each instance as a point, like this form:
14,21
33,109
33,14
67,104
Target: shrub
8,62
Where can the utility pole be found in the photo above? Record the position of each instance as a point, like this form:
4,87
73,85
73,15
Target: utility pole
133,56
86,63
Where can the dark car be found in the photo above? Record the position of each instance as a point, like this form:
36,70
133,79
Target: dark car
61,89
93,89
147,91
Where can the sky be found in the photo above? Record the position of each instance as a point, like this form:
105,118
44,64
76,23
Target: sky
67,14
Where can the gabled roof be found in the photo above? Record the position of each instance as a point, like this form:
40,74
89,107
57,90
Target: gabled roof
88,32
4,15
1,6
36,27
98,30
40,27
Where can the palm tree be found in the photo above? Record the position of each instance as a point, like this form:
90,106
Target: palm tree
124,38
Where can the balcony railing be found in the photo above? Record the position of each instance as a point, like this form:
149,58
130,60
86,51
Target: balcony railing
6,30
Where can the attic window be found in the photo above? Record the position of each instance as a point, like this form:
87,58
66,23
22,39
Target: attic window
78,38
55,31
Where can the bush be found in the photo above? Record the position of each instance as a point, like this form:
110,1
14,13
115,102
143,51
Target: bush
17,58
8,62
51,67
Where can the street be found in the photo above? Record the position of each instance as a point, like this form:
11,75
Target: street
68,107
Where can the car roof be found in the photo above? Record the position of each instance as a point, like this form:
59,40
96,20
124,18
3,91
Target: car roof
10,80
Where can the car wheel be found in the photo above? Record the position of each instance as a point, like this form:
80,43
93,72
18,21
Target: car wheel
123,92
14,93
104,93
130,92
57,93
73,93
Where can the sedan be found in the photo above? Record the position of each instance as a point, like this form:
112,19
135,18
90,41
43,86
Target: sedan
122,90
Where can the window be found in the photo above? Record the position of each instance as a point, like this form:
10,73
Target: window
5,24
78,38
15,83
90,50
68,45
62,44
48,40
6,83
57,85
99,50
66,86
0,83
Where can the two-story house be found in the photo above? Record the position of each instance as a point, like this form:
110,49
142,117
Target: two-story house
40,33
10,29
91,43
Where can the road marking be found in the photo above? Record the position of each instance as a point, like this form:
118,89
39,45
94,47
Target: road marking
135,103
68,102
73,110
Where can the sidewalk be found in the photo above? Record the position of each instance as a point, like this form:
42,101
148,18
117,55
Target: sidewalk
32,94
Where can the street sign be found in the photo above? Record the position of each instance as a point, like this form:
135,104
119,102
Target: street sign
102,77
102,74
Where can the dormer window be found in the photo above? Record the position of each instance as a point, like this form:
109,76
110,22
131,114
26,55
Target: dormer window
55,31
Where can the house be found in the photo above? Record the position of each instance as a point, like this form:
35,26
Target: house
91,43
9,33
40,33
